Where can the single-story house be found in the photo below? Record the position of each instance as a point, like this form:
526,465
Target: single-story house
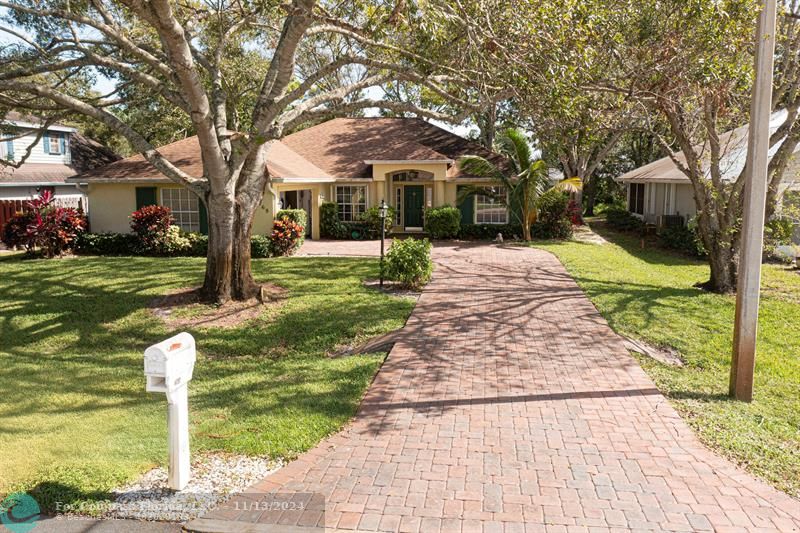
355,162
660,192
60,153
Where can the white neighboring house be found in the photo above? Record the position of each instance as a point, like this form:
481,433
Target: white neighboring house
60,153
660,194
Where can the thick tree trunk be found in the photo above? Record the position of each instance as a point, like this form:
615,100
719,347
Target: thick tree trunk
228,271
722,258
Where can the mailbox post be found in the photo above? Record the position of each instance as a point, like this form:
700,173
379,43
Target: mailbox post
168,368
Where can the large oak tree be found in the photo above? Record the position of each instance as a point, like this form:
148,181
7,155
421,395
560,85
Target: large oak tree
242,73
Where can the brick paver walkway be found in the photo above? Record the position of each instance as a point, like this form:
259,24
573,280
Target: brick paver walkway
510,405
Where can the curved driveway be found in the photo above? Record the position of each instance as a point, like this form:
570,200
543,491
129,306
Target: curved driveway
509,404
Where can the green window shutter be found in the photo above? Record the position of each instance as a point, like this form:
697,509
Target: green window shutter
46,140
467,208
145,196
203,218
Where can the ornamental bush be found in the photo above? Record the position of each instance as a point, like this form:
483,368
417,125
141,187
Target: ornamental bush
553,221
260,246
443,222
299,217
285,238
106,244
408,261
330,226
371,221
682,239
151,224
621,219
44,227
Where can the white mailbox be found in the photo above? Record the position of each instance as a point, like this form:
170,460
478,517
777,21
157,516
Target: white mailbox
169,364
168,368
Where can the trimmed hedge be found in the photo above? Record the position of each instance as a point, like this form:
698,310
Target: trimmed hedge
487,232
443,222
621,219
127,244
369,227
330,227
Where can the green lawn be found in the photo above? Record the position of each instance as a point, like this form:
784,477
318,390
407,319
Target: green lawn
649,294
75,420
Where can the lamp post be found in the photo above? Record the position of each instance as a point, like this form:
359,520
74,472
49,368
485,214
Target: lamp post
382,211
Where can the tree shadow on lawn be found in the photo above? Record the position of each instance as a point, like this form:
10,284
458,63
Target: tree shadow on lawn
632,244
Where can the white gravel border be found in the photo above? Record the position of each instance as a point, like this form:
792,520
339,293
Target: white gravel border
215,479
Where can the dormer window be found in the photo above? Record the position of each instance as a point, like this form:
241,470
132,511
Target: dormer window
54,144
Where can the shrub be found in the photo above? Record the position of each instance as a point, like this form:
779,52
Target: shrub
285,238
198,244
409,262
46,226
621,219
443,222
260,246
489,231
574,213
151,224
329,224
371,219
106,244
299,217
553,220
777,232
682,239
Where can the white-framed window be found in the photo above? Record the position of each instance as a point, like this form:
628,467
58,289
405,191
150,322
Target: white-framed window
489,209
54,144
185,206
636,198
352,201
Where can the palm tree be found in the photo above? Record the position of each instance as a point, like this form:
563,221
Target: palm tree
529,178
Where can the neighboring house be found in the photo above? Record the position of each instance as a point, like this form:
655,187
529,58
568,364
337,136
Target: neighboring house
355,162
660,193
60,153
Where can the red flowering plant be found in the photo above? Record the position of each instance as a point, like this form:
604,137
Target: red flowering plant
574,213
151,225
44,226
285,238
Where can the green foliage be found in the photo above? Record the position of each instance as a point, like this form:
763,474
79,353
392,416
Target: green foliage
621,219
260,247
777,231
298,216
106,244
443,222
485,232
409,262
286,237
372,220
553,221
330,227
44,228
683,239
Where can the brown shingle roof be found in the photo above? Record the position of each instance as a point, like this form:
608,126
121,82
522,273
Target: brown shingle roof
337,148
340,146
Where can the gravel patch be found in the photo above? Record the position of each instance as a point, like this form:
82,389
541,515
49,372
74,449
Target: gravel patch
215,479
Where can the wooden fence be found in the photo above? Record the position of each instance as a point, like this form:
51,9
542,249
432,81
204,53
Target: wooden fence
9,208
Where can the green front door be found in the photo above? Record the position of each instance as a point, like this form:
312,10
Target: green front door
412,205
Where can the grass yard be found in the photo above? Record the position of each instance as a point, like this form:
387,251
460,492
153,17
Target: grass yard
75,420
649,294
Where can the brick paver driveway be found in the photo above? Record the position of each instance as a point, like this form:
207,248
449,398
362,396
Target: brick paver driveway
510,405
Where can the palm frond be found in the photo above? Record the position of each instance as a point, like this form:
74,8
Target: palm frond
480,167
518,147
569,185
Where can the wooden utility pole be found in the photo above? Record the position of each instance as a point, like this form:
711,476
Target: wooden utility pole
755,197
